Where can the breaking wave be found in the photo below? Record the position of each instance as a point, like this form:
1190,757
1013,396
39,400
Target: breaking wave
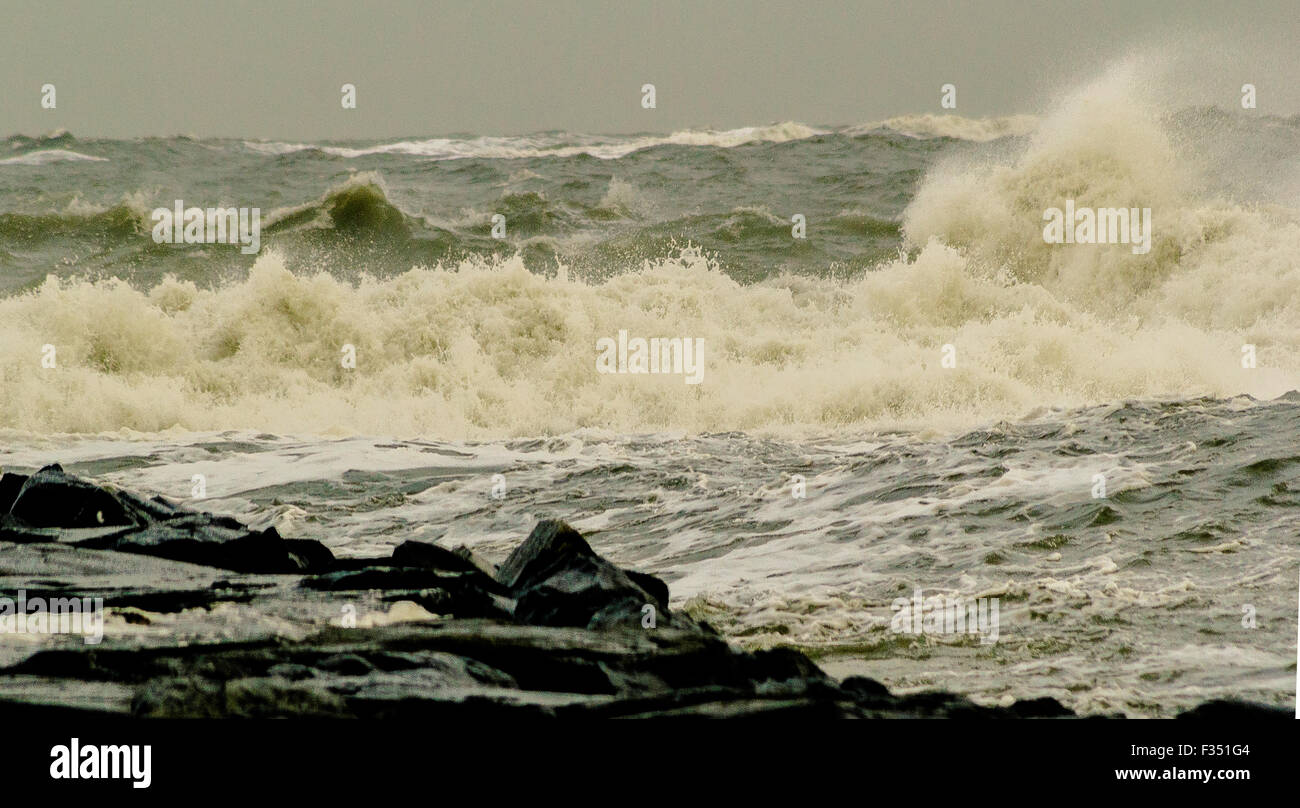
957,127
609,147
562,145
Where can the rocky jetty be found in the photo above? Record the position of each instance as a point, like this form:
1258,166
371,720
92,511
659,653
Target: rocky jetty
555,630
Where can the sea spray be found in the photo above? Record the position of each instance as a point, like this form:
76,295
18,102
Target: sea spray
489,349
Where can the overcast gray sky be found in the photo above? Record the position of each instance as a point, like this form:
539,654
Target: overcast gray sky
273,69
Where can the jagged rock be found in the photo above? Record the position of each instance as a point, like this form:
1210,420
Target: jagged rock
551,543
52,506
462,559
51,499
558,580
198,540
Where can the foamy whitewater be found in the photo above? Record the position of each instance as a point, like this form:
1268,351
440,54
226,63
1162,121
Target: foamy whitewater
476,357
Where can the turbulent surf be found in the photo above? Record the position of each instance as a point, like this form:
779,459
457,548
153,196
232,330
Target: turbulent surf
944,383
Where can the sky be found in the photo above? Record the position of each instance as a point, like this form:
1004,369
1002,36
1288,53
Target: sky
274,68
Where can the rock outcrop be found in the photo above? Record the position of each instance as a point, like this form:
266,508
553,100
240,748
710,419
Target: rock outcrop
556,630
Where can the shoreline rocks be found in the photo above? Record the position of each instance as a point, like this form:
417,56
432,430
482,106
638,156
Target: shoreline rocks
556,630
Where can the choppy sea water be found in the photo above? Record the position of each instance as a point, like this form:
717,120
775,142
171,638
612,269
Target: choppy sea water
475,358
1134,602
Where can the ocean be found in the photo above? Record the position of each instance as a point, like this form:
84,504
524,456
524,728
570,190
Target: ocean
919,395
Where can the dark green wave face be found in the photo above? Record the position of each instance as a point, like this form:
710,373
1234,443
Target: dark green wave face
598,205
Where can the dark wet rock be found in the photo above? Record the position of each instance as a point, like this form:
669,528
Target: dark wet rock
1039,708
556,630
552,543
308,555
51,499
431,556
558,580
52,506
1234,710
198,540
463,593
654,587
10,485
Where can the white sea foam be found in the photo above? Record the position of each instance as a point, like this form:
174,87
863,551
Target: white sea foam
954,126
610,147
46,156
604,147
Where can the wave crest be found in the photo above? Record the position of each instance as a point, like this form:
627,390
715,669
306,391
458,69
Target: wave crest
560,145
47,156
956,127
